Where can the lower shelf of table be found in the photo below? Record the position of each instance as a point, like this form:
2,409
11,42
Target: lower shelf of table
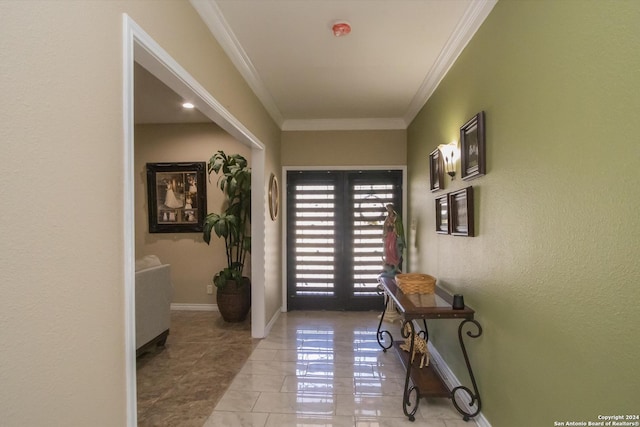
426,379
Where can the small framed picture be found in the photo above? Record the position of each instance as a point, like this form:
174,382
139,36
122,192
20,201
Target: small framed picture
442,214
472,148
177,197
436,171
461,212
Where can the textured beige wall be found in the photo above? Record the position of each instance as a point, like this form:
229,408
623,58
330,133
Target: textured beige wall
344,148
193,262
553,272
61,258
273,240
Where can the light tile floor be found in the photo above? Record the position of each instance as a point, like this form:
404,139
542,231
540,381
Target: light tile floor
324,369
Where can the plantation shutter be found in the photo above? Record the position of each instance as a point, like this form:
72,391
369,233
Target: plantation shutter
334,236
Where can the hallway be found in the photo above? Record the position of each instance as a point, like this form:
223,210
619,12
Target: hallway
324,369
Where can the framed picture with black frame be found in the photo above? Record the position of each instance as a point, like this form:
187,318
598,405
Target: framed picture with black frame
177,197
436,171
461,217
442,214
472,148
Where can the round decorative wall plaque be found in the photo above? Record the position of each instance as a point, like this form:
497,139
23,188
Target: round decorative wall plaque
274,197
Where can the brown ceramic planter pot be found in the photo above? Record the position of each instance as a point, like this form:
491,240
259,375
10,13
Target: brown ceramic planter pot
234,301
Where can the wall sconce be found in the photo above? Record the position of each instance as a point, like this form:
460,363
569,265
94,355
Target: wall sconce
450,155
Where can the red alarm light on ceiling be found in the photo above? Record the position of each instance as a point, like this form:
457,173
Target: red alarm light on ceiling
341,28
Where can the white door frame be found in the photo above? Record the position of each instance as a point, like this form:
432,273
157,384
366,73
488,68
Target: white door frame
138,46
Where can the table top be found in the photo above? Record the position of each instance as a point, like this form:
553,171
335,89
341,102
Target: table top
424,306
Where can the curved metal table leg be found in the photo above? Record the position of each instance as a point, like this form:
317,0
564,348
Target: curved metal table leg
473,396
381,333
409,389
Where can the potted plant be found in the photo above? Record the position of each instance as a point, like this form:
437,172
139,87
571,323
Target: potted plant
233,224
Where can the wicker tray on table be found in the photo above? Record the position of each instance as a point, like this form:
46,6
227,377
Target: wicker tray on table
416,283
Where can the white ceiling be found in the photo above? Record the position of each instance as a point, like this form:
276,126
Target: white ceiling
377,77
154,102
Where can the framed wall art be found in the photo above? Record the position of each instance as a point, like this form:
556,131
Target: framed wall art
442,214
177,197
436,171
461,218
472,148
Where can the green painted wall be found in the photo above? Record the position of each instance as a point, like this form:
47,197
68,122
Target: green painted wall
553,272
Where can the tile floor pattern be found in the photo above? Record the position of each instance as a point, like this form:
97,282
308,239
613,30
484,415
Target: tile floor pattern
324,369
181,384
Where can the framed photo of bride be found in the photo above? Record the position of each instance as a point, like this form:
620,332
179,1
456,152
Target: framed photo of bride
177,197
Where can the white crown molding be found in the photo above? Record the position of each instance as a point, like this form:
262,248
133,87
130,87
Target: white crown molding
344,124
213,18
473,17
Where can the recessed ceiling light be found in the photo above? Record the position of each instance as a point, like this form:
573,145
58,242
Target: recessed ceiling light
188,105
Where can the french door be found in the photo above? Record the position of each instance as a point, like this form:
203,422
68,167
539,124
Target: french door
334,237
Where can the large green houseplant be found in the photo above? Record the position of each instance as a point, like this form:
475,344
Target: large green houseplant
233,224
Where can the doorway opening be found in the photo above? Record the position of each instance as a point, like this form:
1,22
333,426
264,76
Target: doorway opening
139,47
335,247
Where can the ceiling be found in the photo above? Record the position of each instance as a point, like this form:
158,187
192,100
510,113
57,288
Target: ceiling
377,77
154,102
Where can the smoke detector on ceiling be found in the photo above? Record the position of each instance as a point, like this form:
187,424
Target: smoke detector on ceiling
341,28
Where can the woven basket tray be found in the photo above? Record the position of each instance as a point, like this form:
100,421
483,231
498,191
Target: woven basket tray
416,283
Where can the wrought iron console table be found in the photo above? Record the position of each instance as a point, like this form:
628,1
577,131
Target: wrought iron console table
426,381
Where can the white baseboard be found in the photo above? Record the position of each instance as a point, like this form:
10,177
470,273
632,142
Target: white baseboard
452,381
194,307
273,320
